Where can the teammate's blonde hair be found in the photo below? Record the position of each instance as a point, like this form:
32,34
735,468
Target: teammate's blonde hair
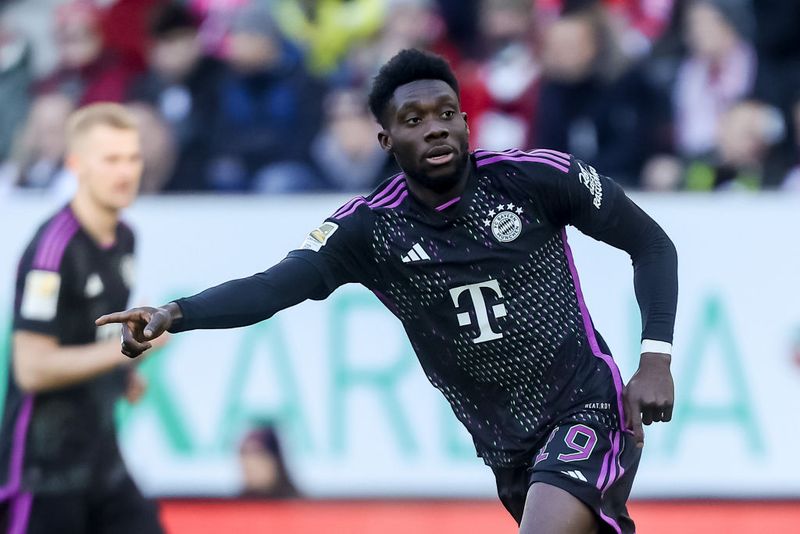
82,120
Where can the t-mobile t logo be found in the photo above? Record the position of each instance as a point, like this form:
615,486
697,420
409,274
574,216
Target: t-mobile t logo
481,313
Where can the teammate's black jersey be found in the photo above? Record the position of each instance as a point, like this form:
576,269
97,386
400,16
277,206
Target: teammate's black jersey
64,440
487,291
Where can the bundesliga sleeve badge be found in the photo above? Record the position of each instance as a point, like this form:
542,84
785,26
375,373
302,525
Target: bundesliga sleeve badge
40,297
317,238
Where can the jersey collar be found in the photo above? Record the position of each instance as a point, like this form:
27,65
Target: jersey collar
454,208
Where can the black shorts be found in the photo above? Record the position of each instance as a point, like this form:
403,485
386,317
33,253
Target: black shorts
594,464
122,510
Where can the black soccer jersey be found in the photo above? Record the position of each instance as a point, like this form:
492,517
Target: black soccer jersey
64,440
487,291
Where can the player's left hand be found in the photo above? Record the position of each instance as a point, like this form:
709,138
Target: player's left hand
649,395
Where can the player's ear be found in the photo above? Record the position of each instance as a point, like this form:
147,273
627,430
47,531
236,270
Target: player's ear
464,116
71,162
385,140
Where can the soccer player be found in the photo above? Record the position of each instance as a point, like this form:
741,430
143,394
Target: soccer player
60,464
468,250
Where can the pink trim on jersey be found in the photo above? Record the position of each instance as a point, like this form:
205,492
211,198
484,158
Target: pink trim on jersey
620,445
48,239
604,469
391,198
541,152
353,208
612,464
361,200
589,328
549,155
20,513
495,159
399,200
18,449
610,521
386,190
349,204
53,259
614,475
447,204
392,194
553,152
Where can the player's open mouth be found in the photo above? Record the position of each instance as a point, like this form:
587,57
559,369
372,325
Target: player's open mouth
440,155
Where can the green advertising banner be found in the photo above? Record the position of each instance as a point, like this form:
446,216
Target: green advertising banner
356,415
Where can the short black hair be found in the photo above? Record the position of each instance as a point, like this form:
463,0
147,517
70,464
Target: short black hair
407,66
170,19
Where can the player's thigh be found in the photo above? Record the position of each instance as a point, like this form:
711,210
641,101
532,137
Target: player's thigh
595,466
124,510
552,510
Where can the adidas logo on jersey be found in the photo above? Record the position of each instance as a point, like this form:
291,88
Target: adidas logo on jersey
94,286
415,254
575,474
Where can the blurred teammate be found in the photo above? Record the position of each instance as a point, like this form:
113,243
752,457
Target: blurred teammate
59,461
469,251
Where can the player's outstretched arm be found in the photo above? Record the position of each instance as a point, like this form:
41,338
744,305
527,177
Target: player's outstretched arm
233,304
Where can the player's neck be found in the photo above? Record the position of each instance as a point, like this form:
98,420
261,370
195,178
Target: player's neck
433,198
97,221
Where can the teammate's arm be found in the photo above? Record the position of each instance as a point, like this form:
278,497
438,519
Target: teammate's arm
40,364
232,304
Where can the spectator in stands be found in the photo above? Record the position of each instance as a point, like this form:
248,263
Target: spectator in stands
409,24
345,152
36,161
216,16
326,29
15,80
269,110
778,80
125,25
745,134
86,72
660,69
461,20
182,84
263,466
158,147
639,23
778,48
708,66
591,102
718,72
501,92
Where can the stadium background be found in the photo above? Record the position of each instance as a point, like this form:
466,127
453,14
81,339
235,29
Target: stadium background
368,445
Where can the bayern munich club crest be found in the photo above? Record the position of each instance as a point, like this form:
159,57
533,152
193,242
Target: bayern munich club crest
505,222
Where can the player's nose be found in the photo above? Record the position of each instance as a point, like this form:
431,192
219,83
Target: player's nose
436,131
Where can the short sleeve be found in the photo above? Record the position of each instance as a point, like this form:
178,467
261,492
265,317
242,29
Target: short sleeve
39,294
338,249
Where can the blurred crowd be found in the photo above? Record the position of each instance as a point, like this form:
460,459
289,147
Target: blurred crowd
268,96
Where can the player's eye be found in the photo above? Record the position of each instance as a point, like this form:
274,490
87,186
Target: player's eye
413,121
449,114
